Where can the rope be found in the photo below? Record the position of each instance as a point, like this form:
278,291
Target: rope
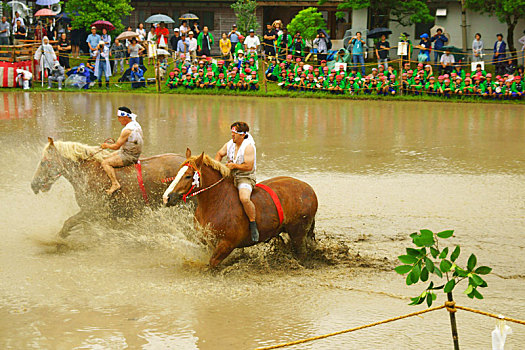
351,329
449,305
490,315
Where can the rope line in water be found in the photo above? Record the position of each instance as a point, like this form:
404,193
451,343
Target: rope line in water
449,305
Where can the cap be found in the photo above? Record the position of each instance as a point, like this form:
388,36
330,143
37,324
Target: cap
441,77
323,61
252,31
489,75
176,30
290,74
221,75
234,25
424,35
220,62
172,74
190,32
93,27
242,75
240,51
289,57
432,78
303,75
248,70
339,77
392,76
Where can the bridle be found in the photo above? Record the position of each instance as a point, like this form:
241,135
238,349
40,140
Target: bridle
196,183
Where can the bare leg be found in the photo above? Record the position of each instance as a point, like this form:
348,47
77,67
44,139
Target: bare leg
108,165
249,207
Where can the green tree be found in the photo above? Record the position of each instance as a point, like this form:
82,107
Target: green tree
404,12
307,22
428,262
90,11
506,11
246,16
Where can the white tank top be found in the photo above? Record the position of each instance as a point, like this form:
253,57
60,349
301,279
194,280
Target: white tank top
239,159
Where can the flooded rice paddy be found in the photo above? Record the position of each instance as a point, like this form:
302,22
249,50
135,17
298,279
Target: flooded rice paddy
381,170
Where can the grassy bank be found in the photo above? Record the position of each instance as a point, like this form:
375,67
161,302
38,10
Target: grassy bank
271,90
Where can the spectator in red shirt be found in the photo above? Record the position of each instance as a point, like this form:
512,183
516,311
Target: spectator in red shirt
162,34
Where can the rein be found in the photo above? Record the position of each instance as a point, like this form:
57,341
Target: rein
108,140
196,184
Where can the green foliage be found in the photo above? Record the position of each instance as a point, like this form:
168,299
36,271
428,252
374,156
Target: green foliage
90,11
307,22
246,17
506,11
427,261
405,12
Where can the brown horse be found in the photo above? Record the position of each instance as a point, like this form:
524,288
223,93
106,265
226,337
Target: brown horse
218,206
80,165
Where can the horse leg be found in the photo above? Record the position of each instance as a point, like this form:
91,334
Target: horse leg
70,223
298,232
221,251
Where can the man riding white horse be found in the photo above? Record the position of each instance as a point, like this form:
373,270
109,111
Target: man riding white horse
129,145
241,154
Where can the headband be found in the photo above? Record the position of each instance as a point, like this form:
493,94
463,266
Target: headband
238,132
121,113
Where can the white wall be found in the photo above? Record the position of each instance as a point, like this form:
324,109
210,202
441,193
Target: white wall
487,26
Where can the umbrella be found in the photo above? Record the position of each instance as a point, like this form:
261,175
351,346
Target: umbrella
377,32
458,53
162,52
64,16
104,24
159,18
127,35
189,16
45,13
47,2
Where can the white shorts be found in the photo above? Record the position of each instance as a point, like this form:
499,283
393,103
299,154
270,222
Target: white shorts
245,185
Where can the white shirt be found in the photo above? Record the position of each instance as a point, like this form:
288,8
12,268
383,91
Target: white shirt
184,29
447,59
252,43
18,19
522,41
141,33
192,44
239,158
136,131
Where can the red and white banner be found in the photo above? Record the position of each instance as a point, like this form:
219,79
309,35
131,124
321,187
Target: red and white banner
8,72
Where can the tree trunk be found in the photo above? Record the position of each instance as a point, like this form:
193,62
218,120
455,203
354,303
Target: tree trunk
453,325
511,25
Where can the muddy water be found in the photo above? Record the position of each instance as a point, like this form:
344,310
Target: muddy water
381,170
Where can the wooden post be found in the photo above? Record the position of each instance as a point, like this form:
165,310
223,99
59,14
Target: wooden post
264,77
400,75
32,60
453,325
157,74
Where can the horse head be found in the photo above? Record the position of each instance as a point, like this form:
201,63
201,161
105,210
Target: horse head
49,169
186,180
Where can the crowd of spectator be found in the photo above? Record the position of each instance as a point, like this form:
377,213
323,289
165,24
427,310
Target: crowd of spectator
186,61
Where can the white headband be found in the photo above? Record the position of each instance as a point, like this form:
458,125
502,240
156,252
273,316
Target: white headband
238,132
121,113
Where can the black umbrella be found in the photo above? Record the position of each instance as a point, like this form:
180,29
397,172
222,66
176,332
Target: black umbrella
377,32
458,53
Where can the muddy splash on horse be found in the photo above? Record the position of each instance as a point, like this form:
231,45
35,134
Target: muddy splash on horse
80,165
219,207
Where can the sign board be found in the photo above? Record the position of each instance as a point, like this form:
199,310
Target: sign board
402,48
338,65
473,65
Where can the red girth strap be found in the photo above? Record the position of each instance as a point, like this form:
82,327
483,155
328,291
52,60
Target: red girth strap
138,166
276,201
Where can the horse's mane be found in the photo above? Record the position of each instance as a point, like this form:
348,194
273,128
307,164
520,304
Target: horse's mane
215,165
76,151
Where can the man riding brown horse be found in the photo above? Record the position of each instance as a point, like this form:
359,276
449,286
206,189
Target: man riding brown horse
242,160
129,145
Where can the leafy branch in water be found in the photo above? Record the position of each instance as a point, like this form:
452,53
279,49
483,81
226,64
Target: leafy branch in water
427,261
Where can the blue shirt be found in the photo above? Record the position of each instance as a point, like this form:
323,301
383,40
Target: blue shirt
234,37
440,41
181,47
93,40
357,49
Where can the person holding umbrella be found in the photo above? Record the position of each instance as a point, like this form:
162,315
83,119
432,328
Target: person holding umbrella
162,35
102,66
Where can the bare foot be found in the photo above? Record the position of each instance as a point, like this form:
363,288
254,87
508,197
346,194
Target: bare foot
113,188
